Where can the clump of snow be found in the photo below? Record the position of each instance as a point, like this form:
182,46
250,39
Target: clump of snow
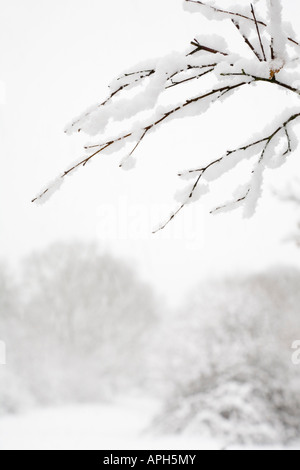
189,195
128,163
228,162
49,190
213,41
255,191
275,29
96,119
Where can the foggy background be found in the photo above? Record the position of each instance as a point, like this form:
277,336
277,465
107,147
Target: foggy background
187,332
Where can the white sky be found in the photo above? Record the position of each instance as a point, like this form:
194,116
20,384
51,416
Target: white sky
57,58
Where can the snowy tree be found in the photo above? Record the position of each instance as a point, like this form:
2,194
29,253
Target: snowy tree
229,361
86,297
273,59
91,312
12,335
77,328
7,294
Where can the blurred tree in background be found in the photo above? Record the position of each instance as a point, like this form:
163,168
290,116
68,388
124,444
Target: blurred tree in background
81,328
229,361
82,331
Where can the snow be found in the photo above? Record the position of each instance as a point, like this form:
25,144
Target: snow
213,41
255,191
194,7
123,425
228,162
149,84
128,163
96,118
49,190
184,195
275,29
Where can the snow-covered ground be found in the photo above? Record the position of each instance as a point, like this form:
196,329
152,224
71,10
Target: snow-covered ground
123,425
90,427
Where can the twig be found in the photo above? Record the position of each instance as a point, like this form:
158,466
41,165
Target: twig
182,206
166,115
200,47
262,79
267,140
114,93
289,146
189,79
140,72
236,24
227,12
258,33
136,146
233,203
239,15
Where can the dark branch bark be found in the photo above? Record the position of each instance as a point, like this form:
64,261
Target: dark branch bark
102,147
173,79
236,24
201,47
262,79
189,79
227,12
258,33
265,140
239,15
116,92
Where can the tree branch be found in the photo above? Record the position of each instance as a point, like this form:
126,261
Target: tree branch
114,93
200,47
235,14
166,115
262,79
181,207
189,79
174,75
236,24
266,140
227,12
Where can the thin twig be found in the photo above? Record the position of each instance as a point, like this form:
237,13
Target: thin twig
236,24
239,15
289,146
262,79
140,72
258,33
181,207
233,203
189,79
114,93
201,47
147,128
227,12
136,146
266,140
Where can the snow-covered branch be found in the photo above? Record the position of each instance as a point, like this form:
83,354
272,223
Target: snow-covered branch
250,192
221,13
273,59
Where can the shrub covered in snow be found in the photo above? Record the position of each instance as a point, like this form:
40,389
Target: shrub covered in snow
229,361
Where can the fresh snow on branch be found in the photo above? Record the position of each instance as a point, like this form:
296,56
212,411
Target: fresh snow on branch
273,58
